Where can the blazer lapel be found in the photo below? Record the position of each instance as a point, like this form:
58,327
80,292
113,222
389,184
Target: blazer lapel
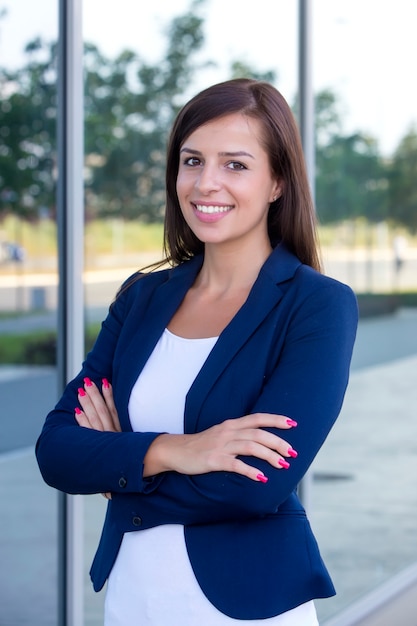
263,297
159,310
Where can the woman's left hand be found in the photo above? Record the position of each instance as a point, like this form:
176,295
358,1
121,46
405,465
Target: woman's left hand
98,409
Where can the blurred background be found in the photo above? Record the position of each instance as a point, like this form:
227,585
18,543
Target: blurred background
141,63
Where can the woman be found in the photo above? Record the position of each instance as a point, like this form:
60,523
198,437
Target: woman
213,384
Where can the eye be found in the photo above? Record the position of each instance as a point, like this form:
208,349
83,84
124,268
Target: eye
192,161
236,166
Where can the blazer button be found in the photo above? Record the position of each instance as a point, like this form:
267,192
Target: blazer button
122,482
137,521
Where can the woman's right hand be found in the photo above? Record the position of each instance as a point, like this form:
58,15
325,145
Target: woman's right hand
218,448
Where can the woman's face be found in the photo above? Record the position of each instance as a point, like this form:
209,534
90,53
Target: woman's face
224,183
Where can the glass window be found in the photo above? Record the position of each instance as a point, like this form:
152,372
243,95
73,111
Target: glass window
28,301
364,500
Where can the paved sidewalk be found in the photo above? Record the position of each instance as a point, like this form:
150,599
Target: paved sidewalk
364,496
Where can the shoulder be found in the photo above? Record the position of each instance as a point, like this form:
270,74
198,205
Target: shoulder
144,280
308,292
287,271
320,299
312,280
142,285
137,285
163,273
321,286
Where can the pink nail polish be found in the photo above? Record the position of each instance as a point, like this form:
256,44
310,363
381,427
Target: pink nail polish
283,463
262,478
292,452
291,422
106,384
77,410
81,392
88,381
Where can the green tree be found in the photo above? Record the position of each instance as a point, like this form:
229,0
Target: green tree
351,177
27,132
402,177
240,69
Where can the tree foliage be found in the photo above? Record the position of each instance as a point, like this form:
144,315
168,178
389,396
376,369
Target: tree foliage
351,177
129,107
402,179
27,132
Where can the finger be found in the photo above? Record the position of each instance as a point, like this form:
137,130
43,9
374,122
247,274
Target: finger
81,418
271,441
260,451
98,411
230,433
274,420
109,400
255,474
89,410
264,420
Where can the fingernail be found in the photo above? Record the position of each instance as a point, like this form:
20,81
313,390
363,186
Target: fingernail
283,463
77,410
81,392
291,422
88,381
106,384
292,452
262,478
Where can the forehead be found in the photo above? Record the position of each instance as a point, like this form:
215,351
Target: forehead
235,128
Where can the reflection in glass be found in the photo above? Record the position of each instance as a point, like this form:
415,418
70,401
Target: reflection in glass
28,260
364,496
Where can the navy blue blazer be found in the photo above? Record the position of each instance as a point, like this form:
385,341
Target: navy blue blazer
286,351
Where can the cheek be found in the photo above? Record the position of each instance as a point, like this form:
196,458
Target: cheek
183,184
178,184
182,192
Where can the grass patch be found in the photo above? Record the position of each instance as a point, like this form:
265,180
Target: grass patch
375,304
11,315
407,299
38,347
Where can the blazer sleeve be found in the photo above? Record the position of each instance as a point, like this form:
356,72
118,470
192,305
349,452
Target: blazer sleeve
79,460
308,384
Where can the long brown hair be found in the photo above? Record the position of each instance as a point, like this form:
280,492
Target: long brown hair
291,218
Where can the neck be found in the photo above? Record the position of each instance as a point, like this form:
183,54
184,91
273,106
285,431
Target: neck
231,267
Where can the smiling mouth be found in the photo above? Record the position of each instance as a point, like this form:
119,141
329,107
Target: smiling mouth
202,208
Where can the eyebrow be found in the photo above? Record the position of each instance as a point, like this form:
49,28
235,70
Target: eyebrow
239,153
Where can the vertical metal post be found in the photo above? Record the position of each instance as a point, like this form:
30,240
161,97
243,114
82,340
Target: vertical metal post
306,123
305,86
70,193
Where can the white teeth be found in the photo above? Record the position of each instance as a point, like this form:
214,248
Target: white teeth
212,209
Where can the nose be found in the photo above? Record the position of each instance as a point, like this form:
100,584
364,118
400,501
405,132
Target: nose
208,179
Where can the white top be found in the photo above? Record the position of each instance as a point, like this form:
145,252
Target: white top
152,582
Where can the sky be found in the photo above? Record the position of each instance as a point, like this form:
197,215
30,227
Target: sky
364,50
